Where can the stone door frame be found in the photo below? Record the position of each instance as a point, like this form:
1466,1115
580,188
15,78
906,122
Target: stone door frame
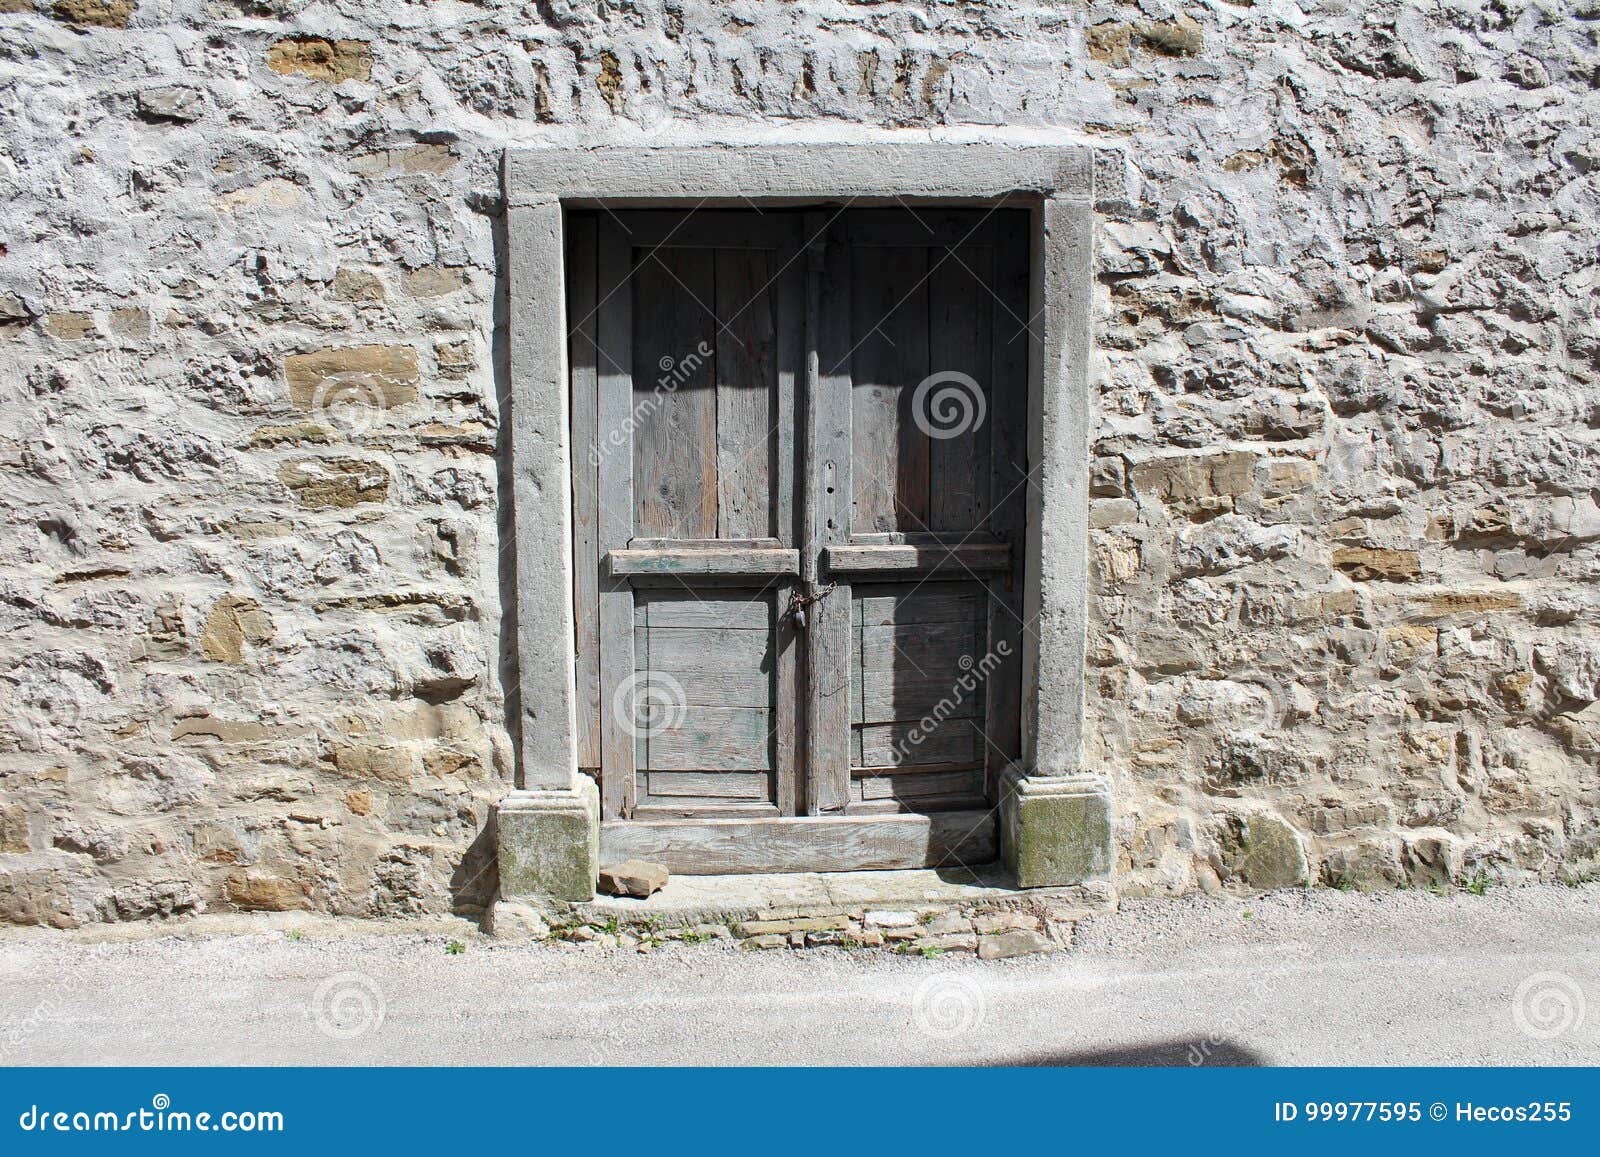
1055,814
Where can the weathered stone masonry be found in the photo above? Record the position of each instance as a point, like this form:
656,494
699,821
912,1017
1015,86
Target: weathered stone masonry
251,347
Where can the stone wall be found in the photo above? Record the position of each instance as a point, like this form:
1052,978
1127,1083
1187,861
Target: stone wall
251,335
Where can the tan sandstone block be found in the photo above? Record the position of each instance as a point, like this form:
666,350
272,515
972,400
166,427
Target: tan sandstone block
1365,564
324,483
1110,44
352,284
1471,602
93,13
433,281
1191,479
13,829
258,892
380,376
391,765
327,60
1180,37
69,326
1405,645
233,622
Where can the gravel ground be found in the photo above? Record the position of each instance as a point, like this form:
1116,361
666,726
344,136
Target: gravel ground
1292,978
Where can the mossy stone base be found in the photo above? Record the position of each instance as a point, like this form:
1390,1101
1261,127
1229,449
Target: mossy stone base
1263,851
1056,830
550,843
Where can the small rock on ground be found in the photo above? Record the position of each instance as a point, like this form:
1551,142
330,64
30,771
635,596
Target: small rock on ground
1018,942
633,878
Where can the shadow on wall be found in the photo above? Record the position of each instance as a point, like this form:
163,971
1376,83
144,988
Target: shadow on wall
505,556
1200,1052
475,882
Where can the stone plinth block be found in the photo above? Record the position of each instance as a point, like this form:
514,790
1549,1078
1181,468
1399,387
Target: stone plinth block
1055,830
550,843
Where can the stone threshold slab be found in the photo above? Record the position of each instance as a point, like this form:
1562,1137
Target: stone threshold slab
688,900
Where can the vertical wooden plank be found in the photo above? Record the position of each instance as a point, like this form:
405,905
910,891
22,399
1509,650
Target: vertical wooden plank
615,379
790,287
746,380
583,357
889,327
784,706
1008,473
641,663
829,490
959,340
674,394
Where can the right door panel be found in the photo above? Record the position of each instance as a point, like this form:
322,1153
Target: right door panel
933,358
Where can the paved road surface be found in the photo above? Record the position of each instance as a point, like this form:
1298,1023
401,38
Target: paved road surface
1302,978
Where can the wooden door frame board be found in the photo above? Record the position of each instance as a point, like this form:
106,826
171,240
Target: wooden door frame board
1055,814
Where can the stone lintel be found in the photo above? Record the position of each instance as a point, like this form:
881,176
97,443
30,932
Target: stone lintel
864,171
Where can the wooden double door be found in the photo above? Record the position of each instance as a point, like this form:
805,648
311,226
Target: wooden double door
799,493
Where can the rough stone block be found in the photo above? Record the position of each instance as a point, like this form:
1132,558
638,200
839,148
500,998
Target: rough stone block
1055,831
260,892
991,923
1178,37
327,60
95,13
333,483
36,896
1262,851
1366,564
797,924
550,843
512,920
369,377
13,829
879,918
1017,942
176,102
633,878
234,621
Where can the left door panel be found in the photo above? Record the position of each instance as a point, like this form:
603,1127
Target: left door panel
685,353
